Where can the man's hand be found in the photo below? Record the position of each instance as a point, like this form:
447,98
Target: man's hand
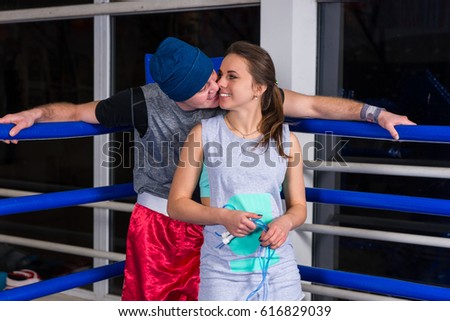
21,120
53,112
388,120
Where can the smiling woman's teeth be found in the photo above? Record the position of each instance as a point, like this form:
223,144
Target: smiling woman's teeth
225,95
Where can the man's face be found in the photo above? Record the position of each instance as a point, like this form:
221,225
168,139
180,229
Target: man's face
207,97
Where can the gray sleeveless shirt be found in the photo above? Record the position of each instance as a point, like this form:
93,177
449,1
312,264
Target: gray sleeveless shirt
243,177
157,152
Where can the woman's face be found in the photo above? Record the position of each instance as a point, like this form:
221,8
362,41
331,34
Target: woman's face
235,83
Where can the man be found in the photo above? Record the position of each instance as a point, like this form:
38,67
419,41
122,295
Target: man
163,254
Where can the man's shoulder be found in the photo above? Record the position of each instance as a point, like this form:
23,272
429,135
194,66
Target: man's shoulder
153,90
213,122
212,113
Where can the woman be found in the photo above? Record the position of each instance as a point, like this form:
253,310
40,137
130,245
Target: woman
248,154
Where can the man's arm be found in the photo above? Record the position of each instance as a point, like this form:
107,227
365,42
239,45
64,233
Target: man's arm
53,112
304,106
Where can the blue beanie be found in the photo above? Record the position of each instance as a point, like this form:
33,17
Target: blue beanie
180,69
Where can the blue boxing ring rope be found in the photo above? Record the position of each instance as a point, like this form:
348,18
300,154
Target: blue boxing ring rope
48,201
422,133
420,205
339,279
63,283
57,130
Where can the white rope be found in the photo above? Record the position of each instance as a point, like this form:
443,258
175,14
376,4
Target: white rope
377,235
62,248
379,169
345,294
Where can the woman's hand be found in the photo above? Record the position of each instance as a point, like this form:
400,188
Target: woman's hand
239,223
277,233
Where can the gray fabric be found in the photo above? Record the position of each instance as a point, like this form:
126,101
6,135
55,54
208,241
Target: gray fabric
245,178
157,152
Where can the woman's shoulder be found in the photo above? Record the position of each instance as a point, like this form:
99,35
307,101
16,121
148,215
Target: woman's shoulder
287,134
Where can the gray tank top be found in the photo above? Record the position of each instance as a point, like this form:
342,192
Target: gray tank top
242,177
157,152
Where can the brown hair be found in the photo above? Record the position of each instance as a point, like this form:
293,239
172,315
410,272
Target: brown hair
262,69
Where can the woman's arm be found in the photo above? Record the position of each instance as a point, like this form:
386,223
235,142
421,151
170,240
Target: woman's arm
182,207
295,197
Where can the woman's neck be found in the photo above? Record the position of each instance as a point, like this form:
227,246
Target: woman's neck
243,123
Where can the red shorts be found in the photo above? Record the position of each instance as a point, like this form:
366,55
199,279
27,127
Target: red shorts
162,259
